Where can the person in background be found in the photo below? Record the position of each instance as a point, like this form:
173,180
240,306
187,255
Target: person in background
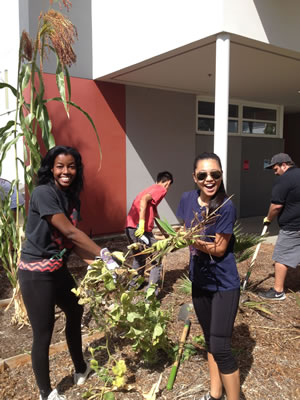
140,221
5,187
213,272
285,205
44,278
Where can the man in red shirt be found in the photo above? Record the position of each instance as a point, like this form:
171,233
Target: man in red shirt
140,220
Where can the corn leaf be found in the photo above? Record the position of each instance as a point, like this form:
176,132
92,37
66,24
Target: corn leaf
60,81
166,226
6,127
6,85
25,76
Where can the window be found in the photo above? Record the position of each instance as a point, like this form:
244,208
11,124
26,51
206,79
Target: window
260,121
206,119
245,119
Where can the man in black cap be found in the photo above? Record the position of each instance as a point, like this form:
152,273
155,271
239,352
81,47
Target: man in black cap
285,205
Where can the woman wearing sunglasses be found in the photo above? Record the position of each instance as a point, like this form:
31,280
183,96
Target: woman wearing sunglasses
213,272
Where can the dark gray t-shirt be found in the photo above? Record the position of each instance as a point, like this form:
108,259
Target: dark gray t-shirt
43,241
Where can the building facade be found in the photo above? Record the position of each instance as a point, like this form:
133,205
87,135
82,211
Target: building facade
167,80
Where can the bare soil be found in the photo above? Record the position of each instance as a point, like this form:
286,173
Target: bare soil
267,346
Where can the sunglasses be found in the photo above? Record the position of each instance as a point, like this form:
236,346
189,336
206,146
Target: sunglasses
201,176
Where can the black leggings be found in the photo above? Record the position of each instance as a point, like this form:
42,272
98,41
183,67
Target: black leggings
41,291
216,312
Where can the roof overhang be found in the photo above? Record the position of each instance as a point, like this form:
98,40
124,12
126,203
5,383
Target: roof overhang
259,72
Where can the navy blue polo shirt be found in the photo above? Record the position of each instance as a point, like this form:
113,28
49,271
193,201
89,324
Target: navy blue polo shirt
206,271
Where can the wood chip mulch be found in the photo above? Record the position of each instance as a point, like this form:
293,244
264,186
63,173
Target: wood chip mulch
267,346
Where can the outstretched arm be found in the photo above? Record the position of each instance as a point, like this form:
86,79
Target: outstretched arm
84,246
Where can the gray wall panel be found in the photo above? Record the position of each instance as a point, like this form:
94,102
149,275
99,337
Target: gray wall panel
160,128
256,183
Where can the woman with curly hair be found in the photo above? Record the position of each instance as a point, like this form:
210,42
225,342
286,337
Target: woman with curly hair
44,278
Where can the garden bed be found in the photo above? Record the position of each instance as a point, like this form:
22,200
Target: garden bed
267,347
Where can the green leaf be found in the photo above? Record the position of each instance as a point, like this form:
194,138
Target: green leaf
26,75
119,381
120,368
158,331
6,85
124,298
166,226
46,126
132,316
67,76
150,292
29,118
109,396
60,81
5,128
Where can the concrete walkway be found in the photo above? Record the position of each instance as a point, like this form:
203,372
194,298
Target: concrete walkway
255,225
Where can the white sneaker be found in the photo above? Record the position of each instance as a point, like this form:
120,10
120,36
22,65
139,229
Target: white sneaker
80,378
54,395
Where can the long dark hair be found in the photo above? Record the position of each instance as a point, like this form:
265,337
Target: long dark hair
45,174
221,194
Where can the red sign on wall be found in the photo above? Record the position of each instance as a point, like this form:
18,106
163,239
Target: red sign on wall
245,165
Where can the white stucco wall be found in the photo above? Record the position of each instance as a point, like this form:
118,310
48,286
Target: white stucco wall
9,48
270,21
128,32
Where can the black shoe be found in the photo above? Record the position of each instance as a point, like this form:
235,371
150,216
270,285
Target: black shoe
272,294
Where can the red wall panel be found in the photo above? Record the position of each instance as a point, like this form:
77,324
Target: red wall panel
104,196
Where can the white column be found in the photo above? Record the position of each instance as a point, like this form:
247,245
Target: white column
222,99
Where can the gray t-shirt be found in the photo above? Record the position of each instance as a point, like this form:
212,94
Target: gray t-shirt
43,240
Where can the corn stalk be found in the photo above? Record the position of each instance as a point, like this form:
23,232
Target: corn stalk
55,34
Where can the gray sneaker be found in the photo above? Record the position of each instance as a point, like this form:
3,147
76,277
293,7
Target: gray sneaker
207,396
272,294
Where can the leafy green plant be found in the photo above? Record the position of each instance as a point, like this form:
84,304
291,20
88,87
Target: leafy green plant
185,285
31,124
200,340
189,350
244,243
124,313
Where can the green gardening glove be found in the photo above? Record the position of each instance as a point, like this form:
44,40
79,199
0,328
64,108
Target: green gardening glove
140,228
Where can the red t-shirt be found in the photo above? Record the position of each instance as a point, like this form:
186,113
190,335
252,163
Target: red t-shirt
157,192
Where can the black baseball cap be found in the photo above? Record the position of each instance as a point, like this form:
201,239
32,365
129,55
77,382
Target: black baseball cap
279,159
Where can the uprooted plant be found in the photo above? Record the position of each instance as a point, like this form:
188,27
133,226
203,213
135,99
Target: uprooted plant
32,125
122,312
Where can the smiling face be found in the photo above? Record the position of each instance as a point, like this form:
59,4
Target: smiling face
64,171
208,177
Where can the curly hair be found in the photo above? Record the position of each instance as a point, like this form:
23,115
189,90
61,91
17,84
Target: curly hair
45,174
221,194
